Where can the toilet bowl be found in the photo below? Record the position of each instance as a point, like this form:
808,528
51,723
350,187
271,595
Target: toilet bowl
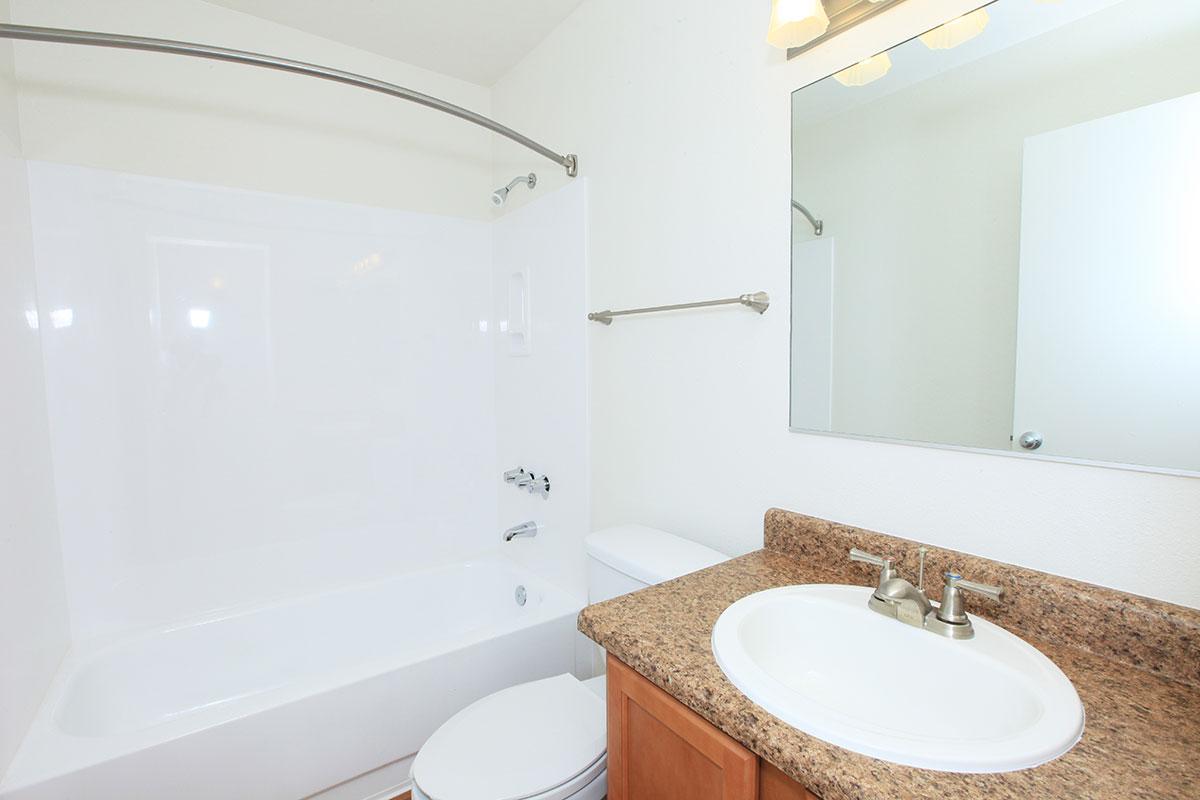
547,739
543,740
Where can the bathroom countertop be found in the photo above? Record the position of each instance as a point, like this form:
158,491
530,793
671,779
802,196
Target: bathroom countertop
1141,739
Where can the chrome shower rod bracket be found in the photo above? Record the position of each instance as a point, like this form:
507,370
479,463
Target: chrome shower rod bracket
569,162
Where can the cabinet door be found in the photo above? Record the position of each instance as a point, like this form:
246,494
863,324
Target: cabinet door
658,749
774,785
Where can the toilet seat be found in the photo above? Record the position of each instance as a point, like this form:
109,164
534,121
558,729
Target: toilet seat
543,740
591,786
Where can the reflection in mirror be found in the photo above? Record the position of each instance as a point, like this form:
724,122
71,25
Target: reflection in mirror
1009,252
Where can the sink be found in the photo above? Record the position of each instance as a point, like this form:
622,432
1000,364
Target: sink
817,658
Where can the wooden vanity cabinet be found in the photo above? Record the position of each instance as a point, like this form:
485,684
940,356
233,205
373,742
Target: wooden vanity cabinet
659,749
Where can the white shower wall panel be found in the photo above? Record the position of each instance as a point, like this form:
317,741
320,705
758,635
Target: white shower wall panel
253,395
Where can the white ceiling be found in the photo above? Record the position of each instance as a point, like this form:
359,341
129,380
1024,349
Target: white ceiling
475,40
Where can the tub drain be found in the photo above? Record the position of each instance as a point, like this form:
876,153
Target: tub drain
520,595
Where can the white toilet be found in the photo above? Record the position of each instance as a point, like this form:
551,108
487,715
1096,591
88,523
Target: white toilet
546,740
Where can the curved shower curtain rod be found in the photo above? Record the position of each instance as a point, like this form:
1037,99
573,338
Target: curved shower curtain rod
818,225
120,41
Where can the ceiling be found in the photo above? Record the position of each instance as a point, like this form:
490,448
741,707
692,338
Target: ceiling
475,40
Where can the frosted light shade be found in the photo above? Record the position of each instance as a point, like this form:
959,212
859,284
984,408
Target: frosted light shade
865,71
796,22
956,31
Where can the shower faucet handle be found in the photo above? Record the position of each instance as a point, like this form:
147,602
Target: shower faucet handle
523,479
539,485
519,477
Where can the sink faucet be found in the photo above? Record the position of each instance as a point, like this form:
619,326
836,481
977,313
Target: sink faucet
897,598
894,596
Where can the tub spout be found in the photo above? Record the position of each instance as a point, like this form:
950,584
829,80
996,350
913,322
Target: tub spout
524,529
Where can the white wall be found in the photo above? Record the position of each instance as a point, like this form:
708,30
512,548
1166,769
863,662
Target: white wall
541,397
230,125
33,618
253,395
680,114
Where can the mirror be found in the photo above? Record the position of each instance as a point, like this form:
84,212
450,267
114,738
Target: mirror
996,237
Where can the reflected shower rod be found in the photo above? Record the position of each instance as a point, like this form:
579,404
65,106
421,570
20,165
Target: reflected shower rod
817,225
570,162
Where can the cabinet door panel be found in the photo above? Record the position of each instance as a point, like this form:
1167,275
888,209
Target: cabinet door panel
774,785
663,764
658,749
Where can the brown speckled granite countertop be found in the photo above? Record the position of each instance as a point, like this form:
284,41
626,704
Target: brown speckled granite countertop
1141,740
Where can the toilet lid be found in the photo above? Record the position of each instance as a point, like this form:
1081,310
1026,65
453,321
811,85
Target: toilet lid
517,743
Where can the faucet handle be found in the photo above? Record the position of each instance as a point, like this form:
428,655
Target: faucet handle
519,477
985,589
870,558
951,608
886,569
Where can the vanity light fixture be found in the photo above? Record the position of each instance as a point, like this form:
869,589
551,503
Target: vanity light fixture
865,71
956,31
801,25
796,22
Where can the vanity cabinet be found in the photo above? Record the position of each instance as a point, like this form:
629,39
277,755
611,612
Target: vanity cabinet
658,749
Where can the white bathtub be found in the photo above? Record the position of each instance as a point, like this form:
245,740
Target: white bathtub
295,698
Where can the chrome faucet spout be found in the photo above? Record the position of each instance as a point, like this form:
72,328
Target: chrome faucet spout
529,529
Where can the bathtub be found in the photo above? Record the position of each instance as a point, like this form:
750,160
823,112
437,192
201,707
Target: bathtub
328,695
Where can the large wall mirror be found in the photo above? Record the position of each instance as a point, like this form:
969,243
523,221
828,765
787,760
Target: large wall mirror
996,236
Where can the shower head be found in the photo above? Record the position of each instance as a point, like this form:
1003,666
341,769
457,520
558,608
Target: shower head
500,195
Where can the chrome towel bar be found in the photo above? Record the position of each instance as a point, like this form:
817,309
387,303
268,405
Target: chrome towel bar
758,301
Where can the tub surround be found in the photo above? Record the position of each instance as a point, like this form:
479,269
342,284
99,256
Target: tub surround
1135,663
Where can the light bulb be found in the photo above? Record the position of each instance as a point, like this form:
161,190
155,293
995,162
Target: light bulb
796,22
865,71
956,31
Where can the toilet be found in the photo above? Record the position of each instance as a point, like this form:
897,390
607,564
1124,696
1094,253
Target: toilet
546,740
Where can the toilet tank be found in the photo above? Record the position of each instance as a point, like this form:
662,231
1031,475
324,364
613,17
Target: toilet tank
630,557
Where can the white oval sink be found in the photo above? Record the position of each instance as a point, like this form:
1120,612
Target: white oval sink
816,657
